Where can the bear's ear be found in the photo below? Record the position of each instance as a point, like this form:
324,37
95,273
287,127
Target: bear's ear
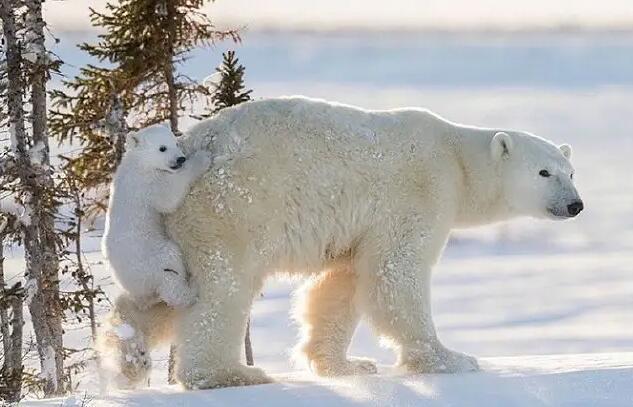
132,140
501,145
566,150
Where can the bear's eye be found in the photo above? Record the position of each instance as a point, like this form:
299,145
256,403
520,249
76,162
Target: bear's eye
162,149
571,176
544,173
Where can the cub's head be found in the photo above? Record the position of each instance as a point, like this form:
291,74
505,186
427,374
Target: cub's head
155,148
537,176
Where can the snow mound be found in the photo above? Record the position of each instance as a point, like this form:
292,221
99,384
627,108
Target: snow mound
566,380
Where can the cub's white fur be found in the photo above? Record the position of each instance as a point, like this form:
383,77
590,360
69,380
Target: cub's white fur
151,180
360,202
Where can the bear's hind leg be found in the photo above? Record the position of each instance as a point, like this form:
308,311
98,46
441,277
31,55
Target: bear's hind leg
329,318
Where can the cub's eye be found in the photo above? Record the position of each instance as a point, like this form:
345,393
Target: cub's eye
162,149
571,175
544,173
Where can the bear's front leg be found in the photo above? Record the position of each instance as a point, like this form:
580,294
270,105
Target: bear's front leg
396,295
211,332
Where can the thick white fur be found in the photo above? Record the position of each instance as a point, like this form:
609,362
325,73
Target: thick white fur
126,338
362,203
147,184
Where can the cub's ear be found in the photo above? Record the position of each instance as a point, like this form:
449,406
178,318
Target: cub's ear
132,140
566,150
501,145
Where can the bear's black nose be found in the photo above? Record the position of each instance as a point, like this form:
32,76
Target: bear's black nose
181,160
575,208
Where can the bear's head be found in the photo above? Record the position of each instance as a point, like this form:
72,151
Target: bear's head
537,176
154,148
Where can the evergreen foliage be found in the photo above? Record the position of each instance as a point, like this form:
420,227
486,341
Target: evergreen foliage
142,44
29,197
231,90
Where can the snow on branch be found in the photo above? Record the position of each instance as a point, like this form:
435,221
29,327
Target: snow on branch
11,204
212,81
37,155
34,50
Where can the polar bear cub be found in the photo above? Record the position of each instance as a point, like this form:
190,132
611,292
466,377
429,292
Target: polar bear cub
152,180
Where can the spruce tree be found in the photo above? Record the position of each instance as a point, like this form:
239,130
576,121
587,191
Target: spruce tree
28,182
230,91
143,43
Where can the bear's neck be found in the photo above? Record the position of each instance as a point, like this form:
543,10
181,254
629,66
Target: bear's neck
482,199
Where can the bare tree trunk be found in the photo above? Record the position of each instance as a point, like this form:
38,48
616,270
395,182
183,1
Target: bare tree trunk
81,270
168,68
248,348
15,85
116,126
35,180
45,306
4,313
14,359
173,98
88,290
171,365
11,370
16,127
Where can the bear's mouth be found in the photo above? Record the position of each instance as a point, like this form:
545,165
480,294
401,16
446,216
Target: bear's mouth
557,213
171,169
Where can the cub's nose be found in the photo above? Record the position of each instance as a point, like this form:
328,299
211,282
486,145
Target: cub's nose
181,160
575,208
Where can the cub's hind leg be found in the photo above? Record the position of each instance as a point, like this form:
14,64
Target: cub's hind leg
173,286
128,335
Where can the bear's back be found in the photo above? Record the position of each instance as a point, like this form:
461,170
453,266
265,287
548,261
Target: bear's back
304,121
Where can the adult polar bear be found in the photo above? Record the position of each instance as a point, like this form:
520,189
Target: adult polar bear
362,202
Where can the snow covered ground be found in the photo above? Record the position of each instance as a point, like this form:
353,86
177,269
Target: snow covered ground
518,289
575,380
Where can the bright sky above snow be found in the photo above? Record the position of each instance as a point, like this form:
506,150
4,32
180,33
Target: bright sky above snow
328,14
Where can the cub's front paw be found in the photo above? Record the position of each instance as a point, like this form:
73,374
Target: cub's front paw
201,160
